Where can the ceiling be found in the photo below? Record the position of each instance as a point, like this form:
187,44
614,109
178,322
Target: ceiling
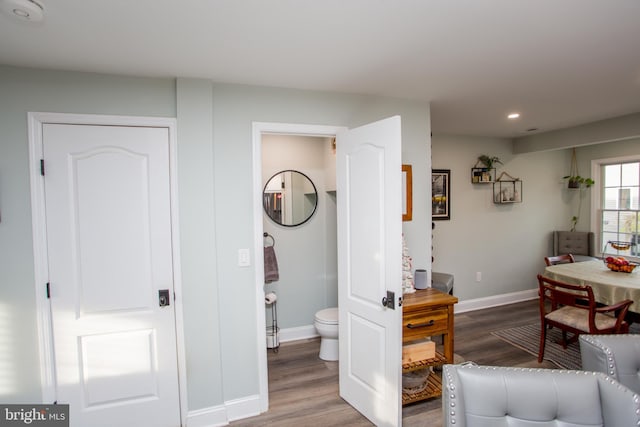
559,63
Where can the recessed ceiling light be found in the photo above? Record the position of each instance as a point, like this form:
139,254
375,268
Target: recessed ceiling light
23,10
513,116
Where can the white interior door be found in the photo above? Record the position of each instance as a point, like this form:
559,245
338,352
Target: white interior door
369,265
108,231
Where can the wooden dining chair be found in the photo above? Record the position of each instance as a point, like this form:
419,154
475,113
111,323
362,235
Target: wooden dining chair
559,259
573,309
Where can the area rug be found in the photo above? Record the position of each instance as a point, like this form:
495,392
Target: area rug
527,338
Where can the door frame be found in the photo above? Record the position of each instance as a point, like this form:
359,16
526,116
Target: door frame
36,120
259,129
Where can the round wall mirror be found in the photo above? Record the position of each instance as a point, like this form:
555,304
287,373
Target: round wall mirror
289,198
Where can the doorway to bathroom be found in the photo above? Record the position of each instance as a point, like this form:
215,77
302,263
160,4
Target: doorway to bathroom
306,250
369,228
300,230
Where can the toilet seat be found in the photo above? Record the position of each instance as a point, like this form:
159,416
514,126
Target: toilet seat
328,316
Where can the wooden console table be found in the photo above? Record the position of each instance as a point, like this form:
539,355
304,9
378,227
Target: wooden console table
425,313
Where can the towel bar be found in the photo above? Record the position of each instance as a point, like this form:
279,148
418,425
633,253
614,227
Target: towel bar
273,241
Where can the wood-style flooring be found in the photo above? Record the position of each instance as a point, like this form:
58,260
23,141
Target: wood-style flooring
303,390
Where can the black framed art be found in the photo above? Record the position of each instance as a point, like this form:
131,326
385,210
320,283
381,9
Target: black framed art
440,194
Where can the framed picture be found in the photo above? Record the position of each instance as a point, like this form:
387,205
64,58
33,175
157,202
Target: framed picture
440,194
407,193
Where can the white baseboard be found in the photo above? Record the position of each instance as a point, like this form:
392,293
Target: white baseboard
221,415
243,408
495,300
208,417
298,333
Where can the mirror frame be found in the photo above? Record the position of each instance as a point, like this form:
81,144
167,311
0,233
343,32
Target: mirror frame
315,207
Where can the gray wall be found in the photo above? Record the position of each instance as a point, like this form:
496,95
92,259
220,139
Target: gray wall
21,91
505,243
235,108
215,202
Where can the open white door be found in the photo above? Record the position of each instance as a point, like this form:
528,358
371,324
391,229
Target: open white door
370,266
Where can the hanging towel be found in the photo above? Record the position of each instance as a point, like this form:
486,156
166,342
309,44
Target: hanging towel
271,273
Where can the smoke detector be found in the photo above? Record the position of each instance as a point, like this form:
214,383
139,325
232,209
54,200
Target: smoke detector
23,10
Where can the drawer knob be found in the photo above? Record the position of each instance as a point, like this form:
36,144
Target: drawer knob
420,325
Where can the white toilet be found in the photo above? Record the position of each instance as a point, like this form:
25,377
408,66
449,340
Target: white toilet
326,324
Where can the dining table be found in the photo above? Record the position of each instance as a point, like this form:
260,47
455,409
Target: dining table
609,287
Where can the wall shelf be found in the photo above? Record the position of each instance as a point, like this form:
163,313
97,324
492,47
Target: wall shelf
507,189
482,175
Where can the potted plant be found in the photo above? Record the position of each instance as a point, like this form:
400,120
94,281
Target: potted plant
489,161
577,181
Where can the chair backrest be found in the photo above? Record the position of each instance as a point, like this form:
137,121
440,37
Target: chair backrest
560,259
489,396
560,294
573,242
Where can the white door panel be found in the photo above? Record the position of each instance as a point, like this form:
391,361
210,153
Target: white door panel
369,265
113,375
365,224
107,198
96,203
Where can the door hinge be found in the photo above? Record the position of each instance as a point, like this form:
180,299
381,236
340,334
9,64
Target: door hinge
48,290
42,167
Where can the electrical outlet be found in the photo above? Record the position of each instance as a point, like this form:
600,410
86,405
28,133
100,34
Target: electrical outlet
244,259
478,276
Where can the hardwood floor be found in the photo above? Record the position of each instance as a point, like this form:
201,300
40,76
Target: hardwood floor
303,390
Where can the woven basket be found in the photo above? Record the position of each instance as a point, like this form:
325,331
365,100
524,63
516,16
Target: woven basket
415,381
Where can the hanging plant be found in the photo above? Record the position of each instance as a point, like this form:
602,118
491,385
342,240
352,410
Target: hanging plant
574,180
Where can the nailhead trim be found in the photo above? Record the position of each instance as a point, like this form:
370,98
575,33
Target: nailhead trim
452,404
611,363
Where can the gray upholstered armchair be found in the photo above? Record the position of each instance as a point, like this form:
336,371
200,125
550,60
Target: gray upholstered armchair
485,396
615,355
580,244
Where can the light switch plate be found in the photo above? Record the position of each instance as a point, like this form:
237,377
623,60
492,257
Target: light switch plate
244,258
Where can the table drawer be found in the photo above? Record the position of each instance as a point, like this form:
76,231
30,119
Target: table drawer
424,323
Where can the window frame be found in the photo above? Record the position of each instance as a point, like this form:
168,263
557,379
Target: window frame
597,195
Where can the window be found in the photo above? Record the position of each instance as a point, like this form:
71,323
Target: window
619,206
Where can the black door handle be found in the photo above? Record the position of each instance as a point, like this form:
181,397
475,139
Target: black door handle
388,301
163,298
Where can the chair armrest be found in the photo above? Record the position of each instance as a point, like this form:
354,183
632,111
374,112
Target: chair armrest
620,310
622,305
620,405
